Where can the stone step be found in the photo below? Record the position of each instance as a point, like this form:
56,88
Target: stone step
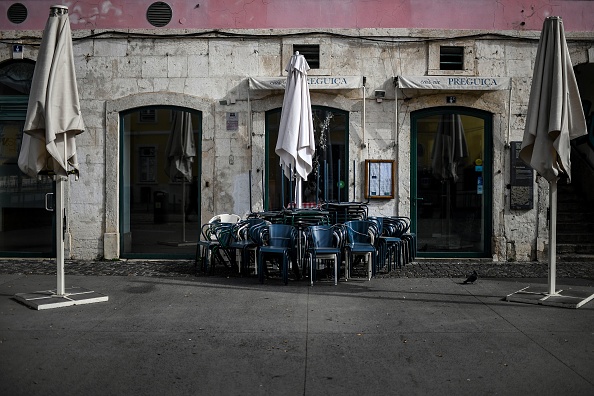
575,248
576,257
574,217
573,238
578,227
574,206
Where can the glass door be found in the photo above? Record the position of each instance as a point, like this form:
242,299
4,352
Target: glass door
160,184
25,225
451,182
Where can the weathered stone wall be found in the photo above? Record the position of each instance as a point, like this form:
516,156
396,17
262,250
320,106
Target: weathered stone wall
121,73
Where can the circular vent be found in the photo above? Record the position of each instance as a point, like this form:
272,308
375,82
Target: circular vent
17,13
159,14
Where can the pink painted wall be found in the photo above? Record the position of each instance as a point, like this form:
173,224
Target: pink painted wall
493,15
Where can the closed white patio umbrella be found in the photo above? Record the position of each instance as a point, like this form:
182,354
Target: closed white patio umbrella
48,147
295,145
554,117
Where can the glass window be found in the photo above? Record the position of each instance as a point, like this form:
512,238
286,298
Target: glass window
329,179
160,194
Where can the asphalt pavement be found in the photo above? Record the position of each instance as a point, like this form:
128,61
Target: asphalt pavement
225,335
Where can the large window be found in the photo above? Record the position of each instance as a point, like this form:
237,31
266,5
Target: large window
160,194
25,225
329,179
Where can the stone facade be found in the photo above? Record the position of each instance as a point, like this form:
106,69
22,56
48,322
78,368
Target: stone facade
118,72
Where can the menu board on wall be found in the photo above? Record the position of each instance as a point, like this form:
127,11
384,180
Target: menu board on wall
521,181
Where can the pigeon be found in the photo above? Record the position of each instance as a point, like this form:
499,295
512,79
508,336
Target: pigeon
471,279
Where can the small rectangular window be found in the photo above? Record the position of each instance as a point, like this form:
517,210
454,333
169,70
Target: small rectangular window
311,52
451,58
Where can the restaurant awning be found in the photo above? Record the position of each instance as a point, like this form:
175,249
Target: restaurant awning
455,83
314,82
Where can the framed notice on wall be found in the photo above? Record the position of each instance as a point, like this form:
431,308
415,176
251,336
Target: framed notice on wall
379,179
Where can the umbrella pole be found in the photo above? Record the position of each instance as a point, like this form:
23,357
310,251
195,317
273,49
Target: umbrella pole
282,187
183,209
60,223
552,236
290,185
298,192
250,187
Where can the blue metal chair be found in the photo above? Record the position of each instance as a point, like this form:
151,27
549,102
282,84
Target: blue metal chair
388,243
243,240
213,244
278,240
410,239
360,237
323,242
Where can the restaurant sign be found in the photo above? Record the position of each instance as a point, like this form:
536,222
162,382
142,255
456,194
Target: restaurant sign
314,82
465,83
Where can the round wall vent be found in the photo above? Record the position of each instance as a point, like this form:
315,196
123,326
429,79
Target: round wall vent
159,14
17,13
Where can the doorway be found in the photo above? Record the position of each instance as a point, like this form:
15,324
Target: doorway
26,227
160,182
451,172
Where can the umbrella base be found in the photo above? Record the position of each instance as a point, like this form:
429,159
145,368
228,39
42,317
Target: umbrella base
48,299
562,298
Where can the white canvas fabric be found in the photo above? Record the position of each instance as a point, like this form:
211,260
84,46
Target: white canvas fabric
555,114
53,113
296,145
181,148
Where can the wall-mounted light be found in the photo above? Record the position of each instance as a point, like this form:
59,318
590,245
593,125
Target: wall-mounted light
379,95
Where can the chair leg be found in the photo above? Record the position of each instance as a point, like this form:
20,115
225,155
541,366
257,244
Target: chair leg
260,265
285,269
335,270
311,269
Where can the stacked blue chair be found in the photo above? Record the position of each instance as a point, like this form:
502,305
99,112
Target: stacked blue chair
244,241
323,242
360,237
389,244
214,244
278,240
409,237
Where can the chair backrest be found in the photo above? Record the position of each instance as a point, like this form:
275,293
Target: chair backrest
281,235
225,218
323,236
224,233
397,226
217,231
360,231
241,230
379,223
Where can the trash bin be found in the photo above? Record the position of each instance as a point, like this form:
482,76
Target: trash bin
160,207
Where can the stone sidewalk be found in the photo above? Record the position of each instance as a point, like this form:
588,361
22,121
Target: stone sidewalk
185,268
167,335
